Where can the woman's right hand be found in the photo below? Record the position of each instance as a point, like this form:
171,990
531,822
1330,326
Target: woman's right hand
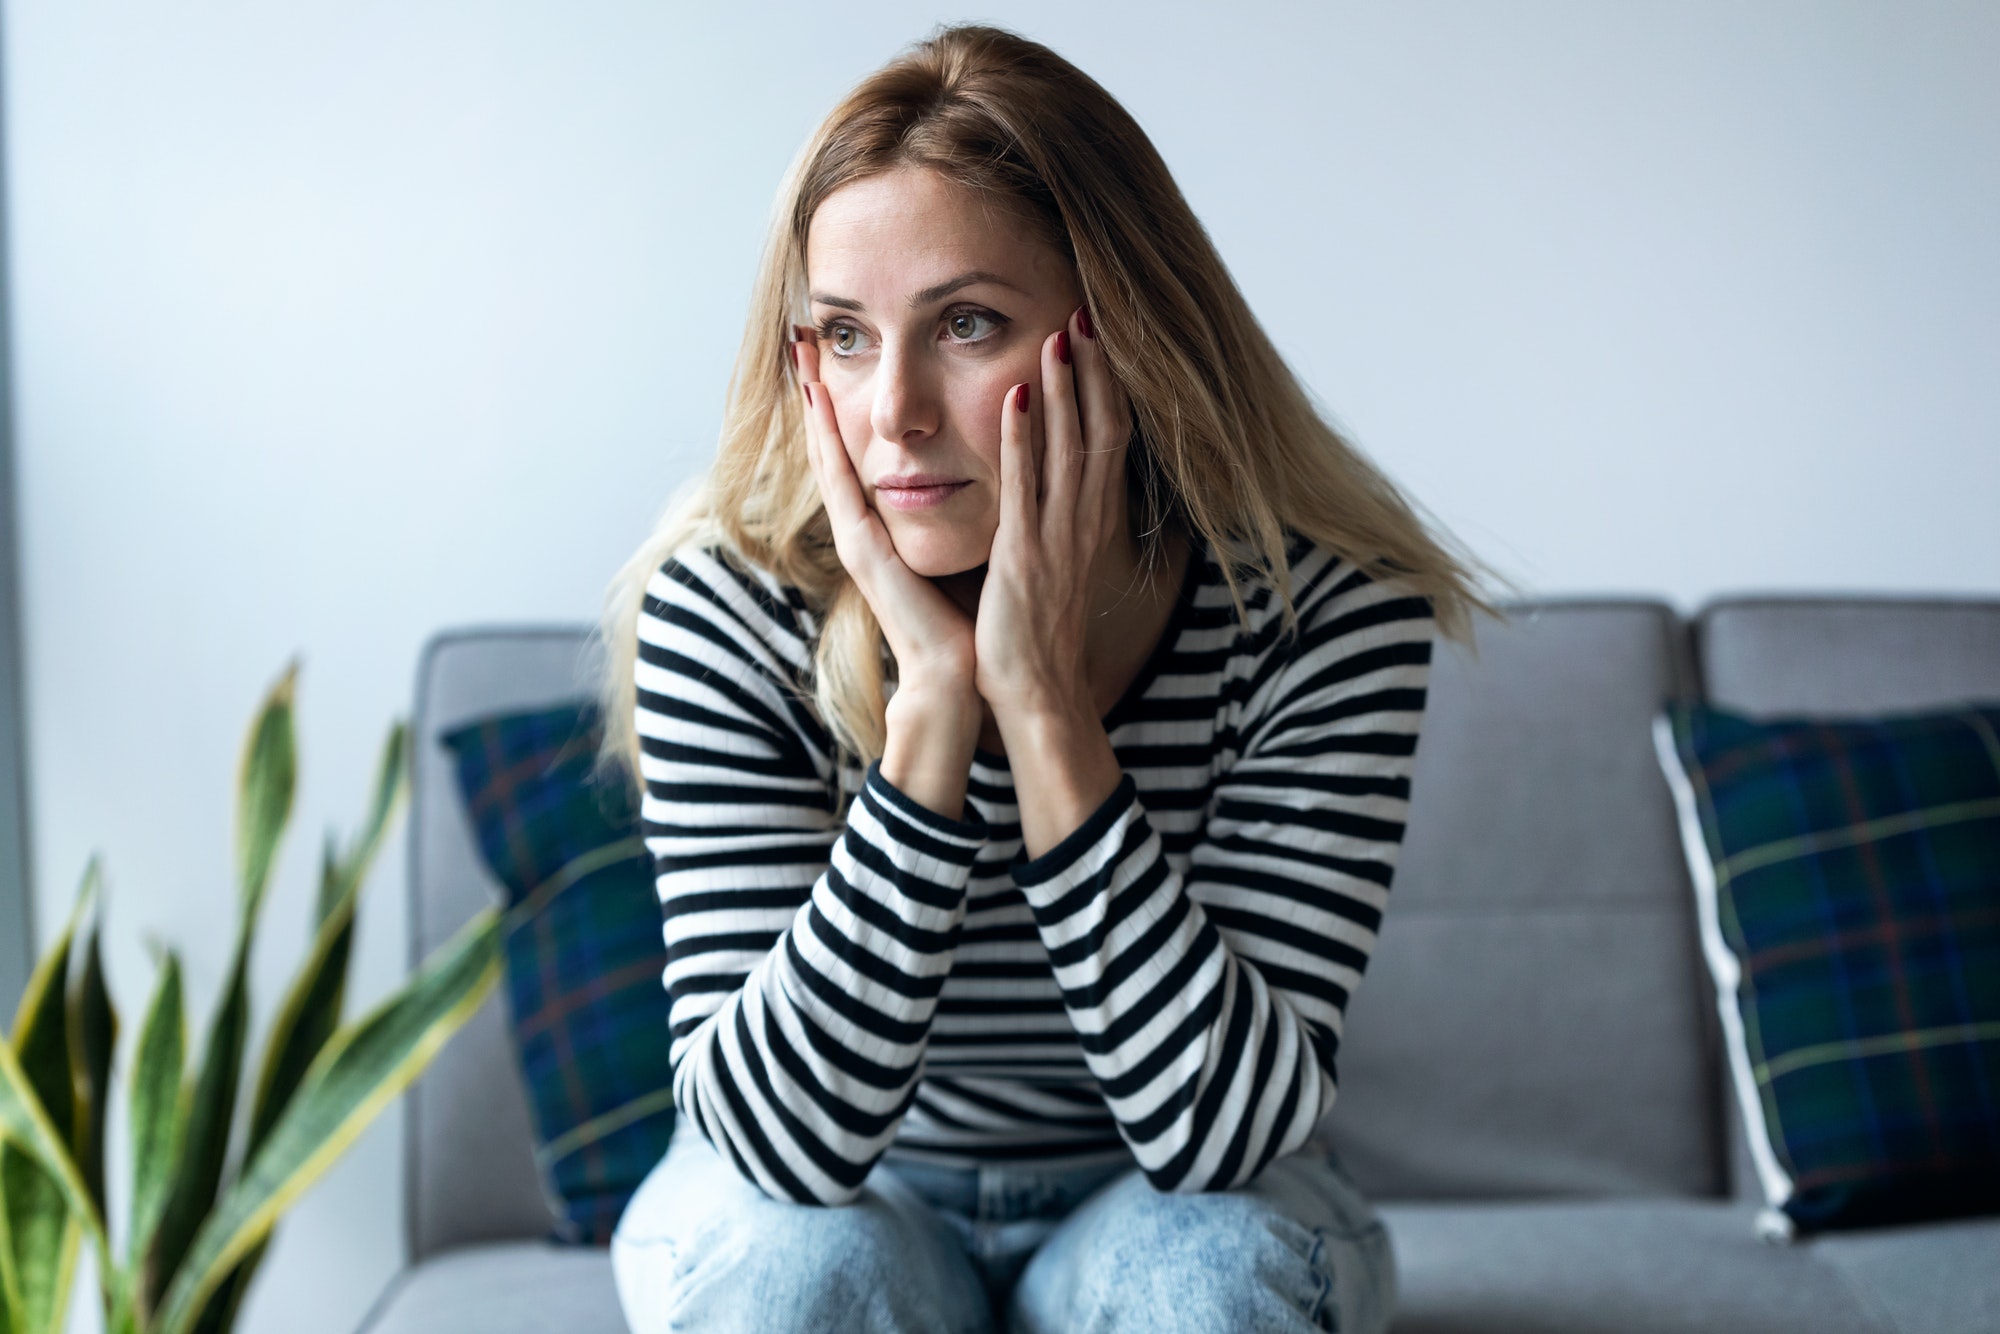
929,634
935,716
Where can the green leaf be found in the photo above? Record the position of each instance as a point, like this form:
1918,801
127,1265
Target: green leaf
266,781
392,786
219,1316
156,1105
25,1125
44,1239
204,1142
310,1013
93,1035
10,1287
307,1019
121,1319
311,1010
41,1025
363,1070
330,882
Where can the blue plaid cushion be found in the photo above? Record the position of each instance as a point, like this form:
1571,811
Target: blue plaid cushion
1848,879
585,956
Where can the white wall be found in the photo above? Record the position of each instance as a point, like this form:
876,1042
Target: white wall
337,323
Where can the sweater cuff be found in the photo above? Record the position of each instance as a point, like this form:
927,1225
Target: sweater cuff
1087,848
961,836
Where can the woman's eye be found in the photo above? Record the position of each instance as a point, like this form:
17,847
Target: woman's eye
969,326
845,338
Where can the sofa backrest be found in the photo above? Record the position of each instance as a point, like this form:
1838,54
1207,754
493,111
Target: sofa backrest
1841,656
1532,1023
1536,1019
469,1168
1835,656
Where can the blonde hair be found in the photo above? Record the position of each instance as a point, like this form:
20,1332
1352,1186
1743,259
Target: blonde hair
1227,443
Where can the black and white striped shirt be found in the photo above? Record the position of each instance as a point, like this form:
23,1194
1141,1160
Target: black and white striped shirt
1167,983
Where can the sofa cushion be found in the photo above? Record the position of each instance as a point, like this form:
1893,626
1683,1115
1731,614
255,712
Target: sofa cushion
512,1288
584,955
1848,877
1840,657
1930,1278
1534,1020
1638,1267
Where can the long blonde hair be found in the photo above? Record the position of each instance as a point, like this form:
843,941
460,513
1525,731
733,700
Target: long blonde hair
1227,444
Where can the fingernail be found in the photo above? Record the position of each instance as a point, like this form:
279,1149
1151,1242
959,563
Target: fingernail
1083,322
1062,347
798,333
1021,396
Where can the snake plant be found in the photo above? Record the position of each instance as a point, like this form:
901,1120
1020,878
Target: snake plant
208,1185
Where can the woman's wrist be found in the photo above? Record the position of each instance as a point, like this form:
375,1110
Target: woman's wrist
1066,771
932,734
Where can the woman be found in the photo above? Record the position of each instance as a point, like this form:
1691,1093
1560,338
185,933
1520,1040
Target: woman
1025,703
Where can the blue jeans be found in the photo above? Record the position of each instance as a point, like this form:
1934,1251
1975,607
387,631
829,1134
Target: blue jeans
928,1250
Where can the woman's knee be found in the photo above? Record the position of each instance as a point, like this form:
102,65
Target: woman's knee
701,1248
1135,1258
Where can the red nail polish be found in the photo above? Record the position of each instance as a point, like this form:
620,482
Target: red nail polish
1083,322
1021,398
1062,347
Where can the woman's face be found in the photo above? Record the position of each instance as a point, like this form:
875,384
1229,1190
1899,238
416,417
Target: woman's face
931,302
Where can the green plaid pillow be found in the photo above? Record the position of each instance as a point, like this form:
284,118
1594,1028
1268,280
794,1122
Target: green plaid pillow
585,956
1847,875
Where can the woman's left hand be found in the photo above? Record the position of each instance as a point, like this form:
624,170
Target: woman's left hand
1062,470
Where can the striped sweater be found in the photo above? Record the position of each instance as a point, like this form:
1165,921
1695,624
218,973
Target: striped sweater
1167,984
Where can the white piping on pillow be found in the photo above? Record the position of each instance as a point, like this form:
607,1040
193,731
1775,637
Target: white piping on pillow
1773,1224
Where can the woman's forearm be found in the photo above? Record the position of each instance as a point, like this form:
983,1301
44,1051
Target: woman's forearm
932,733
1064,768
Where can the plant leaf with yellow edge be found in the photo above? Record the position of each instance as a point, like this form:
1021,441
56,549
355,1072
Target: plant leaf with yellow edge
93,1036
392,788
203,1143
41,1024
42,1239
267,777
156,1104
10,1290
24,1124
307,1018
363,1070
310,1013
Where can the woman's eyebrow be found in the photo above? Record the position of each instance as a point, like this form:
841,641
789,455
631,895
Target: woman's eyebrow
940,291
934,293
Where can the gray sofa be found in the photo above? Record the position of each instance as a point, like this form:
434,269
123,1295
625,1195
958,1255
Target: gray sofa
1532,1084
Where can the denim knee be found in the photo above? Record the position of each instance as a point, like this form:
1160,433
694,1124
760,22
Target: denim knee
702,1249
1274,1256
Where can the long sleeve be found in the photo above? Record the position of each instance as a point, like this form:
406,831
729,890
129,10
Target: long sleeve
805,953
1209,1002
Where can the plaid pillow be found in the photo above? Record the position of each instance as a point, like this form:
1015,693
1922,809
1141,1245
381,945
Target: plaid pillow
1848,883
585,957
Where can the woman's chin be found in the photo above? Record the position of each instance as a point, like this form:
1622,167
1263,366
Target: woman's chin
926,555
944,569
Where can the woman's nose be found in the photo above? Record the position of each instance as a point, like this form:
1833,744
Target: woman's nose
906,398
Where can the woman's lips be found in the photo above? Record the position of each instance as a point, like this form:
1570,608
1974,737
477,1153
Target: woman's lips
918,497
